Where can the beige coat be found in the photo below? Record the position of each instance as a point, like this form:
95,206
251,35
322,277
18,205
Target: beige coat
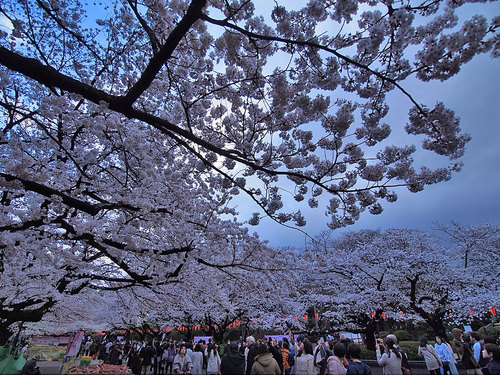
265,364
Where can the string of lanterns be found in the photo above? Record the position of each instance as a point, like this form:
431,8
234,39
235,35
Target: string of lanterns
295,318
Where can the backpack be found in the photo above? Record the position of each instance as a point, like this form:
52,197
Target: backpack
290,359
405,368
482,361
320,352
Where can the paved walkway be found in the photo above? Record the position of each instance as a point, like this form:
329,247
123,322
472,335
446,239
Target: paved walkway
417,368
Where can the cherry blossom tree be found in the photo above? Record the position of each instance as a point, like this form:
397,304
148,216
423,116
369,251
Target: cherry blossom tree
128,127
251,100
259,292
31,284
398,271
478,245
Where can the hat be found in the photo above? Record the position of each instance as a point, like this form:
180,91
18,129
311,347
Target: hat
393,338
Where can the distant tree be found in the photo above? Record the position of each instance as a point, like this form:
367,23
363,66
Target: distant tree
399,271
128,127
479,245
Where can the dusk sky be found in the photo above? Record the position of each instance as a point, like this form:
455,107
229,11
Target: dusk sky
472,196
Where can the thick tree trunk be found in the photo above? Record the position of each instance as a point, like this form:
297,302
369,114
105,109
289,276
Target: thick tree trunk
437,325
5,334
370,336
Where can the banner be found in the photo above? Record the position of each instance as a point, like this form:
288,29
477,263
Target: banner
279,338
204,338
75,345
51,340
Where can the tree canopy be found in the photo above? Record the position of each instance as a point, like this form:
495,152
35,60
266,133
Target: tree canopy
128,128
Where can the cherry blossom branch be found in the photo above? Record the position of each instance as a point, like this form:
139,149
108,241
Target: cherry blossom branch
50,77
192,15
308,43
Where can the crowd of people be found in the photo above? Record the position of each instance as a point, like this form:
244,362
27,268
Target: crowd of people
297,356
250,357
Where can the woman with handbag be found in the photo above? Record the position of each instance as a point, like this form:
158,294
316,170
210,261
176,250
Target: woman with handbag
431,358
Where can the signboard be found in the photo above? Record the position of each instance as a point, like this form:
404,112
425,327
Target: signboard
51,340
202,338
74,348
279,338
355,337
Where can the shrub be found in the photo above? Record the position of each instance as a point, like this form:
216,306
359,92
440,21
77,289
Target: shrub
367,354
383,334
411,349
491,331
403,335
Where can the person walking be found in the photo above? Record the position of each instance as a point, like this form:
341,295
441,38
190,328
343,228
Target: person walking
492,353
147,353
405,365
213,360
264,363
275,350
453,362
197,358
233,362
431,358
336,361
356,367
463,345
304,361
250,353
288,359
444,354
169,356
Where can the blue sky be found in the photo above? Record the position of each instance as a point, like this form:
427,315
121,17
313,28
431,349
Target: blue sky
471,196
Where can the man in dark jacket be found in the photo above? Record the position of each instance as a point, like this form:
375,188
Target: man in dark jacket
276,352
147,353
233,362
252,352
30,368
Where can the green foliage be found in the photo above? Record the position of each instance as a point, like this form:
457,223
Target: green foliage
403,335
367,354
411,349
383,334
491,331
